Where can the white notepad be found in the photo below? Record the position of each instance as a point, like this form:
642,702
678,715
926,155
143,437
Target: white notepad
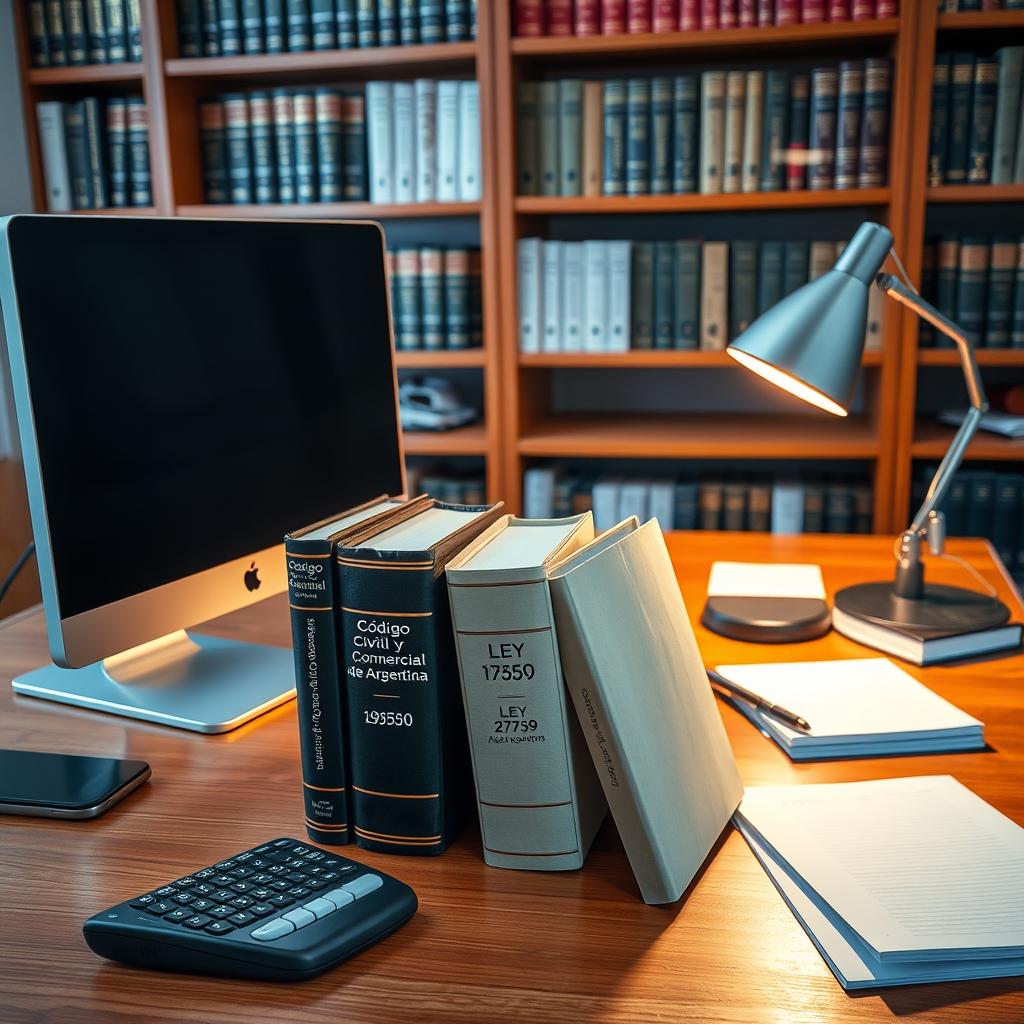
857,708
757,579
919,870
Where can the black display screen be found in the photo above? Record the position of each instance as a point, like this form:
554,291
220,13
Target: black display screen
61,780
199,389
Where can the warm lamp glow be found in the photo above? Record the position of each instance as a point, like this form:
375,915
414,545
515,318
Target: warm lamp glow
787,382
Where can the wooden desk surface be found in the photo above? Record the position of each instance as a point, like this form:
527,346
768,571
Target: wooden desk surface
487,944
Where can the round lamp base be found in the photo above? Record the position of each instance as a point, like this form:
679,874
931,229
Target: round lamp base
942,609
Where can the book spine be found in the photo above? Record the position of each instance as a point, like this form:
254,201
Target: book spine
946,283
838,10
747,13
728,14
253,40
664,295
689,15
404,112
239,146
638,16
614,302
476,302
78,155
980,497
822,258
366,23
38,39
456,298
74,32
959,133
770,276
353,146
530,295
284,137
387,23
408,318
742,286
138,152
1008,113
448,141
408,22
787,12
712,130
298,33
230,28
551,277
211,30
874,129
587,20
558,17
1017,323
432,297
133,30
812,12
795,266
642,285
686,294
570,136
327,116
776,131
596,256
714,300
117,32
56,40
638,136
613,17
426,139
264,153
686,142
459,20
814,509
665,16
799,116
983,103
661,135
592,138
614,174
315,613
862,10
380,141
822,140
346,24
528,138
117,150
753,121
708,15
999,305
323,29
572,298
734,507
1006,515
940,120
765,13
971,284
190,28
529,15
96,149
709,505
431,21
304,115
851,102
886,9
735,112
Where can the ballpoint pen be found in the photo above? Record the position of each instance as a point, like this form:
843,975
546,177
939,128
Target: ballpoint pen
775,710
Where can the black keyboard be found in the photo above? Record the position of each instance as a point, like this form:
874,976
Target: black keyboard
285,910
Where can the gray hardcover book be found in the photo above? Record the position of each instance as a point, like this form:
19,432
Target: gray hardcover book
539,797
1008,112
643,295
550,173
686,294
637,681
528,122
570,135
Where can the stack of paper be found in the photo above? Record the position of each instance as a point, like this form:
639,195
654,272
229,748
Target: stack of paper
864,707
896,882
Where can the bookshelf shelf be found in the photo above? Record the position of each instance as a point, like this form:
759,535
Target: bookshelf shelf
821,37
118,211
959,20
975,194
471,440
390,60
931,440
644,359
693,202
983,356
445,360
87,74
331,211
699,435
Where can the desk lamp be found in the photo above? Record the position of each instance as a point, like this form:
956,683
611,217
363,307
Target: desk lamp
810,344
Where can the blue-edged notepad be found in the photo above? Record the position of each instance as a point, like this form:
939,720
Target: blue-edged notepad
863,707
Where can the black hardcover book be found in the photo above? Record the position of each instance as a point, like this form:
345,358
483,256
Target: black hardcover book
456,298
78,156
117,32
664,295
405,313
264,152
211,28
940,119
983,114
74,32
133,30
304,114
1002,266
327,104
476,301
56,40
821,173
863,508
776,131
411,777
345,17
839,508
958,136
458,18
851,102
252,26
709,504
799,132
230,20
771,274
299,32
874,125
814,508
743,297
97,151
686,142
138,152
213,141
38,39
190,28
1017,321
274,27
734,506
954,505
972,287
408,22
366,23
324,32
1006,518
684,516
387,22
432,21
353,146
980,503
237,131
284,136
117,151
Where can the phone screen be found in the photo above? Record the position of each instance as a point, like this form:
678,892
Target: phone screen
66,781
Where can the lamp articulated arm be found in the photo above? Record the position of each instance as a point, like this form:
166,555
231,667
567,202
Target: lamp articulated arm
909,568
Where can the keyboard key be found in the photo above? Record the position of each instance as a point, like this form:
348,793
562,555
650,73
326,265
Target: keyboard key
243,872
196,921
298,850
243,857
220,927
205,873
184,898
282,901
203,889
224,880
261,893
315,855
299,892
319,908
160,908
339,897
167,890
262,878
265,848
280,886
273,930
142,902
241,902
296,876
299,917
241,918
316,884
179,915
223,895
281,842
221,912
225,865
201,904
363,885
277,869
262,909
186,882
259,864
243,886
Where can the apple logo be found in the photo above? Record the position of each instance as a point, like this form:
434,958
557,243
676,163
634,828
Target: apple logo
252,578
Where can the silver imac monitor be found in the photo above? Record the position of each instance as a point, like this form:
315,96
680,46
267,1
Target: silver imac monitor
187,392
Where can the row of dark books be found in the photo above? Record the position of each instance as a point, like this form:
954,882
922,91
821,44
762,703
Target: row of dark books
227,28
95,153
598,296
784,506
436,298
979,284
984,503
952,6
446,483
977,130
71,33
615,17
718,131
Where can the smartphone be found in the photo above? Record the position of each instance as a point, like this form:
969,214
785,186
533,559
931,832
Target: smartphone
65,785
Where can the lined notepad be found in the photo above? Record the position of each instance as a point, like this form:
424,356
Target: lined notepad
898,880
859,707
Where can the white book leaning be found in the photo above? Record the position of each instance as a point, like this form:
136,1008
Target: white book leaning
531,296
448,142
660,748
380,141
595,274
469,142
618,332
404,99
572,298
538,794
551,270
50,119
426,140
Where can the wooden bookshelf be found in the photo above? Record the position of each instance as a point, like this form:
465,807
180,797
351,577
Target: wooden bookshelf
521,421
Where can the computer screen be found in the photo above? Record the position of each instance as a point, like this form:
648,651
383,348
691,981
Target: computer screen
199,388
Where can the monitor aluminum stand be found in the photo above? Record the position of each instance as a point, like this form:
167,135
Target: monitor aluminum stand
187,680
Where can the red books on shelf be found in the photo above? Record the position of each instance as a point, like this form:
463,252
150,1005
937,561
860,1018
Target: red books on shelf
529,17
638,16
765,13
748,13
812,12
689,15
863,10
838,10
588,17
613,17
709,14
559,17
727,14
889,8
787,12
666,16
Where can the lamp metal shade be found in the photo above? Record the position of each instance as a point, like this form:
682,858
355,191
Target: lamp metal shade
810,343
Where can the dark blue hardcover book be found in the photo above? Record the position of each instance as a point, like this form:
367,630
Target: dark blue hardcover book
38,38
284,139
56,40
954,504
958,138
97,152
252,26
366,23
299,34
795,268
1006,518
743,295
972,287
874,124
770,275
776,131
821,172
78,156
133,30
456,298
983,115
685,512
685,132
230,20
999,303
328,145
614,156
799,132
850,109
211,28
275,34
304,118
1017,323
642,295
264,152
661,135
138,152
213,144
75,33
458,20
638,136
323,26
940,119
947,275
190,29
353,146
980,503
686,297
664,295
432,21
345,19
117,151
239,143
387,22
408,22
408,317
